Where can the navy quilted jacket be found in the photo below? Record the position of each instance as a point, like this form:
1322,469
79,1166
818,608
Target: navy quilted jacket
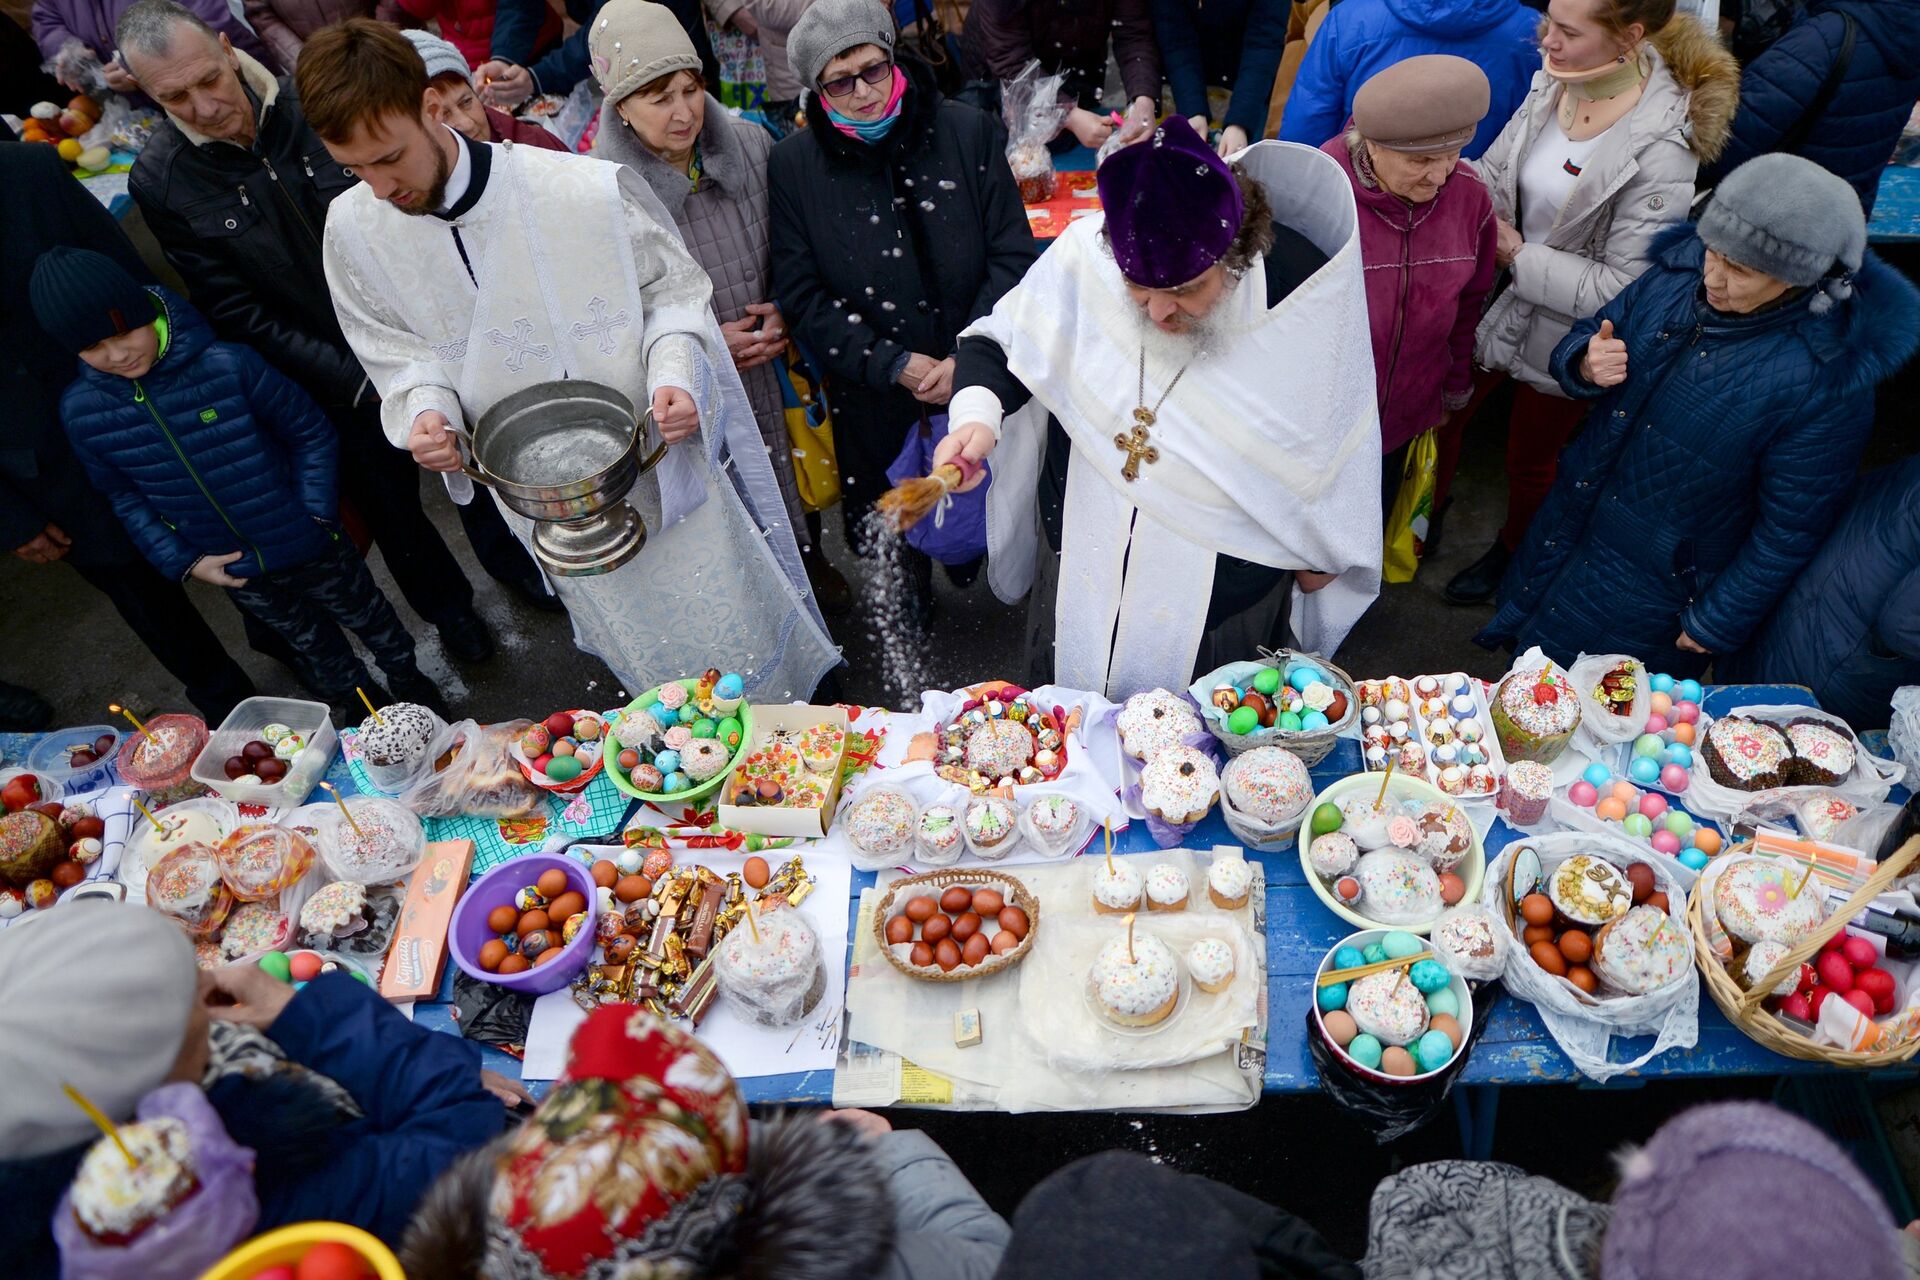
1849,627
1703,484
1855,136
213,451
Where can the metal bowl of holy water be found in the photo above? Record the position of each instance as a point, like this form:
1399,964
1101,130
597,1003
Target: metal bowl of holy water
565,455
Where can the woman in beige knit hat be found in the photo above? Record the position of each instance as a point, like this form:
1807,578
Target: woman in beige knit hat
709,169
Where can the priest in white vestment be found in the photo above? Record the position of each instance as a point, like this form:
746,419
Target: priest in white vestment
1178,399
462,272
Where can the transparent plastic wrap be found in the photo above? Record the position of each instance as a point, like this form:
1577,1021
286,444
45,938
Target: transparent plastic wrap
474,774
382,843
76,65
1866,783
396,746
1053,825
1472,941
1031,104
880,825
186,884
1903,734
1619,715
1821,814
260,860
773,971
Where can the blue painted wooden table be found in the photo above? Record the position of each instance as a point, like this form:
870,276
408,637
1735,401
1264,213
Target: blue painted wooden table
1896,211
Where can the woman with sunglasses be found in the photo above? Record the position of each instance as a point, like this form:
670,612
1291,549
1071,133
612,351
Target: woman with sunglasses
896,223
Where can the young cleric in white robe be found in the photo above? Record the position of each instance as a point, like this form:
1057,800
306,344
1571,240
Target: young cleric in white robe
1186,391
463,272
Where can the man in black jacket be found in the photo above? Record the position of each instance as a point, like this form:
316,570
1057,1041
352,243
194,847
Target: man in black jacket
236,187
48,512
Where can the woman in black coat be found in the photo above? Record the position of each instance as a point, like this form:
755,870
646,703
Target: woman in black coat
894,226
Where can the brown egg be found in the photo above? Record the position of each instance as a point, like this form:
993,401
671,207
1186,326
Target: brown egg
548,956
1548,957
1396,1061
531,920
1452,888
899,930
966,926
1340,1026
756,873
67,874
1659,900
946,954
1014,921
936,927
605,874
1582,977
1448,1026
975,951
1576,946
1536,933
551,883
492,952
988,902
569,904
515,964
956,900
920,910
1003,942
921,955
1641,877
503,920
1537,908
632,888
620,948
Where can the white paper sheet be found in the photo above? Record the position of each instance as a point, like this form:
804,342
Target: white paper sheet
746,1050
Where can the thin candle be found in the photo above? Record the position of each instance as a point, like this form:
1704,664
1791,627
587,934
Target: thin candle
132,719
99,1117
344,811
752,928
1130,959
148,815
1110,868
1384,780
377,717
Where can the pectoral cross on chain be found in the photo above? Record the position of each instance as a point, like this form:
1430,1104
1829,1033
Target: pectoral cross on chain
1135,444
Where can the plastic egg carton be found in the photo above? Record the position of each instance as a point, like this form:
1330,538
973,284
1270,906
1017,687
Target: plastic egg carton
1420,732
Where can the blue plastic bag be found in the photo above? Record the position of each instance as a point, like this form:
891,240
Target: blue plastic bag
956,532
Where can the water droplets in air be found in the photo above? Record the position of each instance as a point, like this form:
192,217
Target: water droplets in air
893,612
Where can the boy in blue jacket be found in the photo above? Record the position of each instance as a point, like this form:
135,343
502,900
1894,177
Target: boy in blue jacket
221,469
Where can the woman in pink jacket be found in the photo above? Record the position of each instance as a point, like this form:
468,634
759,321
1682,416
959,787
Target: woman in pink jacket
1426,238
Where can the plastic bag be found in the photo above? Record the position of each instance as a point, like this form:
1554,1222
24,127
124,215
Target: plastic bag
76,64
879,823
1391,1112
773,970
1903,735
481,780
956,532
383,843
1871,779
1599,727
1033,109
1583,1026
198,1231
1412,509
491,1014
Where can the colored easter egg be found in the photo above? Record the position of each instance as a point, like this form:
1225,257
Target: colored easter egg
1374,953
1347,957
1243,720
1598,774
729,732
1626,793
1706,840
1313,720
1666,842
1687,691
1653,804
667,761
1333,996
1267,680
1611,809
687,714
277,964
1583,794
1683,733
1443,1001
1686,713
1326,818
729,686
1303,676
1400,944
658,710
1674,778
1693,859
1647,744
1638,825
1428,975
1656,723
1678,821
1679,753
705,728
675,781
1433,1051
563,768
1660,702
1365,1050
1661,683
1289,720
1644,769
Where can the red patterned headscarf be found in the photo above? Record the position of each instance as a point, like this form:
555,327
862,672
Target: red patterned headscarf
636,1157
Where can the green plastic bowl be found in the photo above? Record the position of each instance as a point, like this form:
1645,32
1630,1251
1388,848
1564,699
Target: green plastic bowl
699,791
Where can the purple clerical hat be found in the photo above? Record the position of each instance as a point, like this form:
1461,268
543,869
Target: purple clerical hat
1173,206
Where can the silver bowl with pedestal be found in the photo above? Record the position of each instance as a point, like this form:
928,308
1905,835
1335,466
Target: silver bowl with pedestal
565,455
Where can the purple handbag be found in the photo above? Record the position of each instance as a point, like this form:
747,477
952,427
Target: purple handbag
956,532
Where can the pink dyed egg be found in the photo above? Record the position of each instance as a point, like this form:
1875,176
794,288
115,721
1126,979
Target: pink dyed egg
1685,712
1666,842
1652,805
1656,723
1674,778
1583,794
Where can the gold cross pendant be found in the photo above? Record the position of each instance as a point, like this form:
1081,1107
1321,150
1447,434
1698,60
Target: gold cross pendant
1136,446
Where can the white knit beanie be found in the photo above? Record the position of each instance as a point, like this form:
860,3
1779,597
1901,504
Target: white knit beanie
634,43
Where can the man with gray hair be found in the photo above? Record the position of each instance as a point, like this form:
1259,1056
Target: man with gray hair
235,187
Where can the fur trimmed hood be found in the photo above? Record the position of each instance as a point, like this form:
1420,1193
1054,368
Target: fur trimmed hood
817,1208
1709,74
723,160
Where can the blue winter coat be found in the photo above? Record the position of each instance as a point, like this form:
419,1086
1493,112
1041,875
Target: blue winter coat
1855,136
1361,37
1705,482
1849,627
213,451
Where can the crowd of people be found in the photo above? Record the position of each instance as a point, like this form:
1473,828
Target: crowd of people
1587,217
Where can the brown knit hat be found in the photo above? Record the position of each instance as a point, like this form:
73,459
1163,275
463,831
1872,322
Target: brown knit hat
1431,103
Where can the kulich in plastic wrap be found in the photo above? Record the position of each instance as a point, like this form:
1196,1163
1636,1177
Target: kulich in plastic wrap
775,976
187,885
388,844
160,761
259,860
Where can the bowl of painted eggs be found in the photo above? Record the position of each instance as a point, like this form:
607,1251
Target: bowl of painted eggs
676,742
1292,700
309,1251
563,752
1390,852
1619,805
1398,1025
528,925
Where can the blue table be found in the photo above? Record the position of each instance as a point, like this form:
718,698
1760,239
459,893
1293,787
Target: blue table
1896,211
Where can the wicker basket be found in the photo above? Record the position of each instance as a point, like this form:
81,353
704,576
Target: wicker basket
1744,1009
1310,745
935,883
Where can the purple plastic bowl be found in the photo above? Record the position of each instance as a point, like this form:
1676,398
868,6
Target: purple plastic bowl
468,932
